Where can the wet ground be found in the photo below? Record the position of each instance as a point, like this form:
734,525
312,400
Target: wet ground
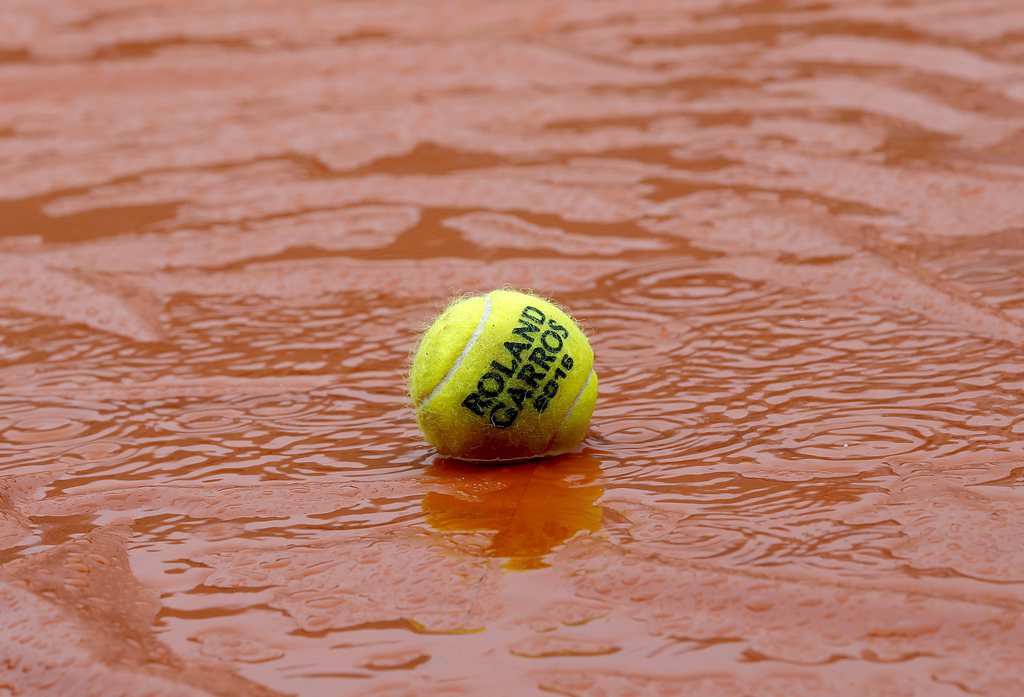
795,231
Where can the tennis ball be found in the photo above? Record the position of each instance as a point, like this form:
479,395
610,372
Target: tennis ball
503,376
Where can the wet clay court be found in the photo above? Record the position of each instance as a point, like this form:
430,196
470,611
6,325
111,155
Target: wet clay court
793,230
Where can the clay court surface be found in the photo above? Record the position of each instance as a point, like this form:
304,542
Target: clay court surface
794,231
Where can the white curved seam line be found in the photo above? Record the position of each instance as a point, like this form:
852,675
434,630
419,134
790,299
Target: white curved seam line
572,408
465,352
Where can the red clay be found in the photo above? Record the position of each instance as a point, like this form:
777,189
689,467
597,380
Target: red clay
793,229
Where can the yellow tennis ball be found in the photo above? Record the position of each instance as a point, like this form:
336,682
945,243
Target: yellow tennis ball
503,376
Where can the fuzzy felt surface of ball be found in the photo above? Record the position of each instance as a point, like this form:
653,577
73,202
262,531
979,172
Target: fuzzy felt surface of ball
503,376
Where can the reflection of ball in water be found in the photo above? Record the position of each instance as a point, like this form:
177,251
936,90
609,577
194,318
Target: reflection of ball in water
503,376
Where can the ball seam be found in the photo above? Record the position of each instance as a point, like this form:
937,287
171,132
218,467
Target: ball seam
462,356
568,414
